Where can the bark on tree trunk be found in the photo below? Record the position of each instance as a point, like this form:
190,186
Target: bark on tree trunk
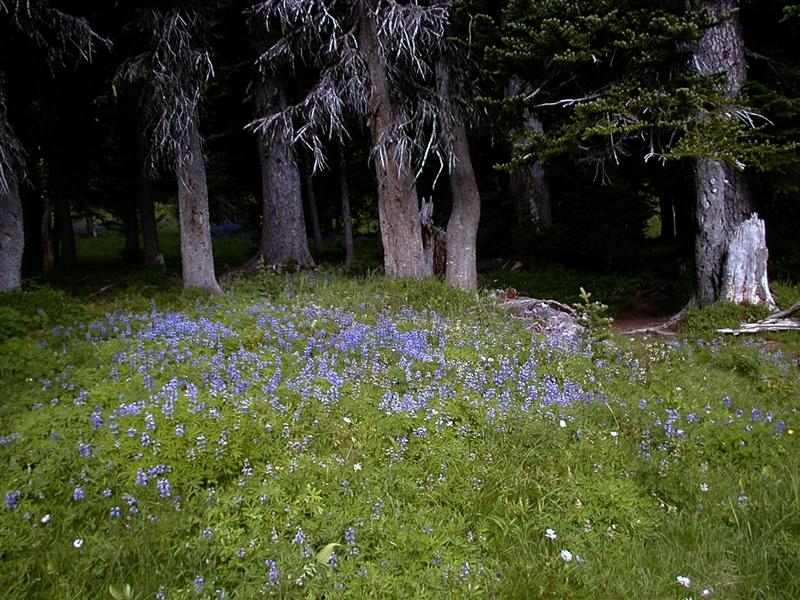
667,216
723,200
530,186
32,209
63,213
48,244
462,228
130,253
744,276
12,231
197,258
398,204
12,235
147,211
311,197
283,228
57,184
347,219
91,227
722,204
434,243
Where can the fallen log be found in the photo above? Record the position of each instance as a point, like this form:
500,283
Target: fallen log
778,321
661,330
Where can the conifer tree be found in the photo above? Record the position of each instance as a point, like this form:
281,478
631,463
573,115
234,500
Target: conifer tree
58,38
174,70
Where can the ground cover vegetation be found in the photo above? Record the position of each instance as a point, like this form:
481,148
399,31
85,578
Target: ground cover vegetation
313,435
251,262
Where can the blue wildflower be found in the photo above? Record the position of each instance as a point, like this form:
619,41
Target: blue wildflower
12,499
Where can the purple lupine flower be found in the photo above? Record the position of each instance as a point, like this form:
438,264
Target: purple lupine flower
141,477
12,499
207,534
350,536
84,450
163,487
273,572
77,493
198,584
299,536
115,512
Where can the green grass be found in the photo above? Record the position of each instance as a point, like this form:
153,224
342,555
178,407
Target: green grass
422,436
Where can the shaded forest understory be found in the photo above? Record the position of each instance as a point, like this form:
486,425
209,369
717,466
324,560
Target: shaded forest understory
657,142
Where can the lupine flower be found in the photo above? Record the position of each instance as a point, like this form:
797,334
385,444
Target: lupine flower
566,555
163,488
77,493
12,499
684,581
550,534
350,536
272,570
299,536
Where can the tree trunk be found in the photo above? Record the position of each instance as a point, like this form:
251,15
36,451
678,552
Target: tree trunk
57,181
197,258
63,212
12,234
462,228
311,197
667,216
12,231
147,211
744,276
91,226
434,243
530,186
723,200
397,191
130,253
347,219
283,229
48,244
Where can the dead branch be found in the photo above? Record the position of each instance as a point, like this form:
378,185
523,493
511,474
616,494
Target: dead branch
661,330
526,304
775,322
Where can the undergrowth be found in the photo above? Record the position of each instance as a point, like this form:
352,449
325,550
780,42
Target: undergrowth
309,436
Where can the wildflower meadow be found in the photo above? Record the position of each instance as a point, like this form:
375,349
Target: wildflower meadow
308,436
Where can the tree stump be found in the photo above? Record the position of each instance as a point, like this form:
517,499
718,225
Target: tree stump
434,243
744,276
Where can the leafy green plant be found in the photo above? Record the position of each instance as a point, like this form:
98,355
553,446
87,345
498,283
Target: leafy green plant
13,323
593,315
